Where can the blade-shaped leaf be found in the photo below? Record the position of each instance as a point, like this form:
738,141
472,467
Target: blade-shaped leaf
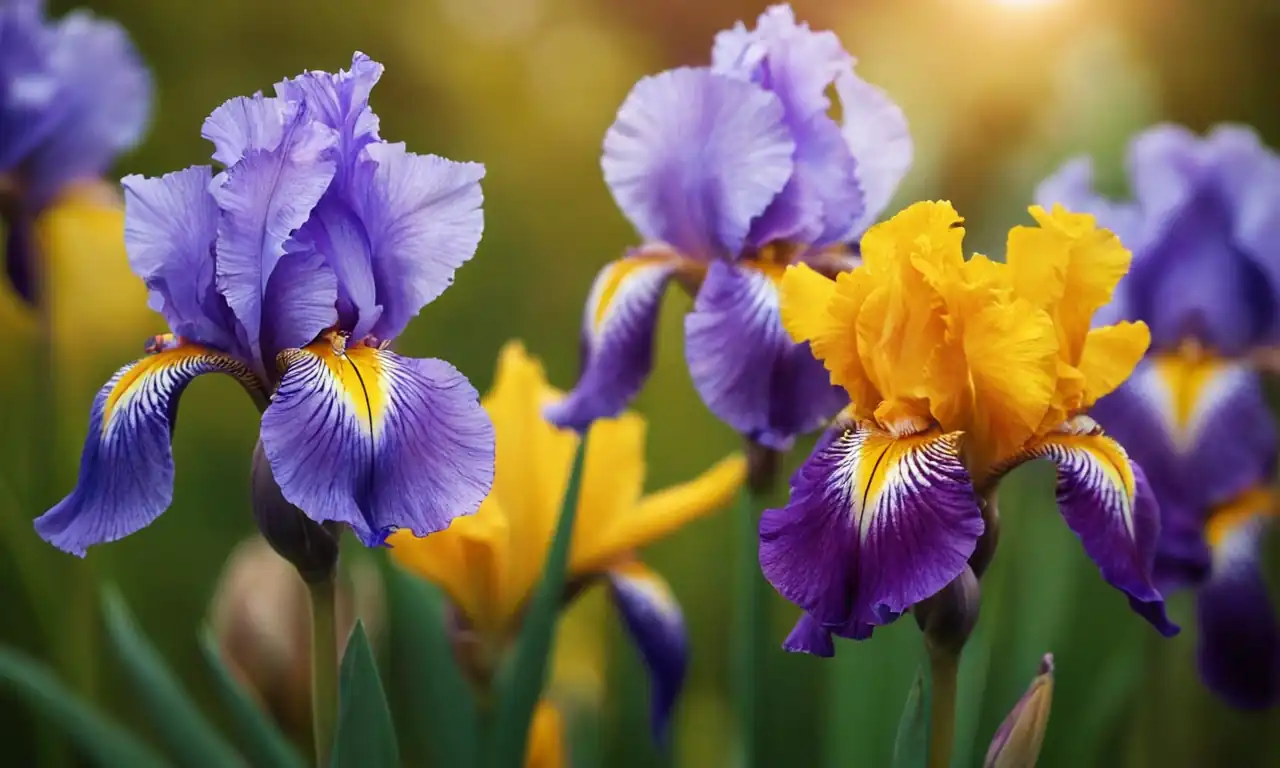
98,738
520,680
365,737
189,736
263,742
911,745
866,691
436,704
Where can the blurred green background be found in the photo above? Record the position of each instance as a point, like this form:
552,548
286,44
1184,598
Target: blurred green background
998,92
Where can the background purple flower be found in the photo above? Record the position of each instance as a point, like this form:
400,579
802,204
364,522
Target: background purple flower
291,269
728,173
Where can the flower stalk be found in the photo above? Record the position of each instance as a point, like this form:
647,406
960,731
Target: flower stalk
324,665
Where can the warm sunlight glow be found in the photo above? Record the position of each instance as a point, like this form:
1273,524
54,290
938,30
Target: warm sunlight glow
1027,4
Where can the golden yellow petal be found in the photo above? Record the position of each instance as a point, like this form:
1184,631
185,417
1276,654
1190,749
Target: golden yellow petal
839,350
468,560
664,512
926,231
804,299
1110,355
1012,353
612,481
546,738
533,463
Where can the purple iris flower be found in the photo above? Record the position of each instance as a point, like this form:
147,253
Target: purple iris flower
73,95
291,269
1203,225
729,173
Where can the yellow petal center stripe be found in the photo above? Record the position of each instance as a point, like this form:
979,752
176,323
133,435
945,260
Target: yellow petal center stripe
887,469
1187,388
1255,504
1096,461
358,373
168,370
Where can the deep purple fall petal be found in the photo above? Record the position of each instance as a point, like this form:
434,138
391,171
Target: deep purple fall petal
126,467
377,441
656,625
694,157
874,525
617,337
745,367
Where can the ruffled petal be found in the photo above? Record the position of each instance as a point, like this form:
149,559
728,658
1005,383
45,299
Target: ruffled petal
876,131
1072,187
298,302
423,219
811,637
170,226
1239,650
1107,503
264,198
1110,355
748,372
617,336
365,437
694,157
340,101
104,103
126,467
656,625
245,123
874,525
337,236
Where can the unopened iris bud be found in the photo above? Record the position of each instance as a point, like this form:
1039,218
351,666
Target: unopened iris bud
1017,742
311,547
985,549
948,618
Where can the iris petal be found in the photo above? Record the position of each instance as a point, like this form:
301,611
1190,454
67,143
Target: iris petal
1107,502
365,437
617,336
126,468
656,625
875,525
748,372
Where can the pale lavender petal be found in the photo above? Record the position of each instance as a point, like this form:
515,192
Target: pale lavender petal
423,217
1239,649
299,301
104,103
170,224
874,525
1165,169
339,236
29,90
1107,503
656,625
377,441
694,157
747,370
617,337
265,198
341,101
126,468
246,123
876,131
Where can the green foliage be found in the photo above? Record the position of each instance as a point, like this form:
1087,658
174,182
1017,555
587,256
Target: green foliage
519,684
366,737
261,742
911,746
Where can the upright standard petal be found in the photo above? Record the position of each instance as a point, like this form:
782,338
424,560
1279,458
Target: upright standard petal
170,226
1107,503
298,303
265,197
365,437
748,371
104,103
875,524
1072,187
1239,650
341,101
876,131
126,468
617,336
245,123
656,625
423,218
694,157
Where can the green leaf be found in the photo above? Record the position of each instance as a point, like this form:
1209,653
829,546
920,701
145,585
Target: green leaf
190,738
911,745
366,737
866,692
263,742
520,681
98,738
436,704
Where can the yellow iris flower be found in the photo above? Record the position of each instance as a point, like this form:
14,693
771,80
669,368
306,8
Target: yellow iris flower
489,563
1003,352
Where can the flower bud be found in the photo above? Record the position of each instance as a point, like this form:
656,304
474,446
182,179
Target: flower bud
948,618
1017,741
763,467
986,547
312,548
261,618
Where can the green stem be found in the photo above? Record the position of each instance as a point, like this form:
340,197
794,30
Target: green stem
944,667
324,666
748,611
